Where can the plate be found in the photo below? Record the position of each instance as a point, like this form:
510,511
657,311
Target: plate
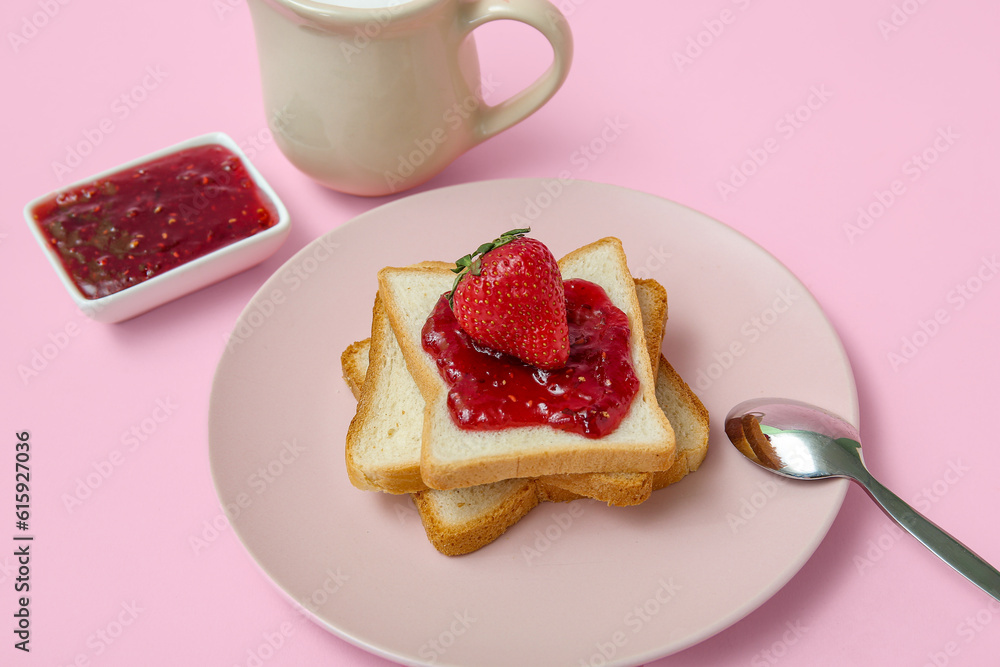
573,584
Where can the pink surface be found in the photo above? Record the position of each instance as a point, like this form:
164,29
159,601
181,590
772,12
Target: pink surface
781,119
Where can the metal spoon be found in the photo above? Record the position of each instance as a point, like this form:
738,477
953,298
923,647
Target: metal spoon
802,441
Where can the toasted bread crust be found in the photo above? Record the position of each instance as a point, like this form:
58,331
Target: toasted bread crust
354,472
692,403
615,488
350,364
455,538
691,417
548,493
652,298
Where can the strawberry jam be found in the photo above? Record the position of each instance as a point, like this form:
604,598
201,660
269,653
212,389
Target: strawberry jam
138,223
491,390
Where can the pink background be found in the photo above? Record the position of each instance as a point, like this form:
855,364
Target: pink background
888,81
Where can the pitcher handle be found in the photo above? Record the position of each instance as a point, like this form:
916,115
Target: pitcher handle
546,19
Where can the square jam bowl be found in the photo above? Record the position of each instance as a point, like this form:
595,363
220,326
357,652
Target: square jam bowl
190,274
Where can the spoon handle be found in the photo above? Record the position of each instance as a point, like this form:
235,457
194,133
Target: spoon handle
950,550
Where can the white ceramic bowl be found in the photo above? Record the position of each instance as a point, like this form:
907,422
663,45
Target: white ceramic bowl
188,277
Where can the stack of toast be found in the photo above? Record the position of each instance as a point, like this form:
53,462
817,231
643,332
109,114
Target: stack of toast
470,486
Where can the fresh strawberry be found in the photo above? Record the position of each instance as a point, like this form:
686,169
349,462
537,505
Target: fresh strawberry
509,296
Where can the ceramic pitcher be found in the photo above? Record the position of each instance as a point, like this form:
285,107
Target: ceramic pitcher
372,97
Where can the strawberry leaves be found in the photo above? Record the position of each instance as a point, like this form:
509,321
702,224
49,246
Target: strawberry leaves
472,263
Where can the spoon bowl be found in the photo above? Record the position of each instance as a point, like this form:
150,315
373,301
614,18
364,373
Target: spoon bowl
795,439
802,441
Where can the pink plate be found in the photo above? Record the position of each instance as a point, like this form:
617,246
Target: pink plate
573,584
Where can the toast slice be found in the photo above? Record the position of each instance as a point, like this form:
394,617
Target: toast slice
689,418
454,458
387,425
383,442
460,521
